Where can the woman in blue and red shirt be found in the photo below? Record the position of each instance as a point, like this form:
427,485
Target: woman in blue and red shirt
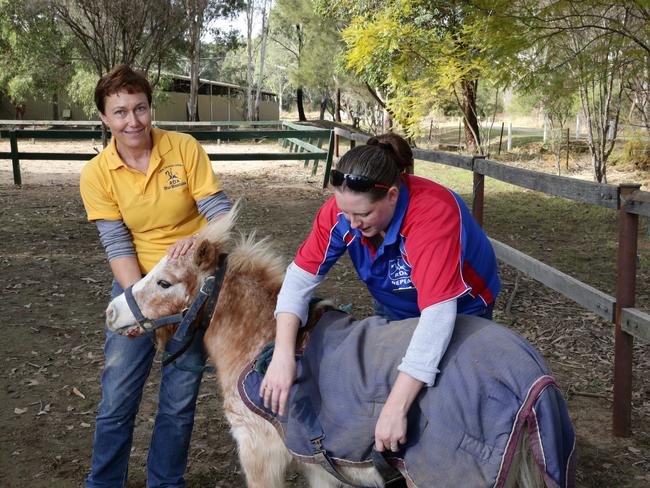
420,253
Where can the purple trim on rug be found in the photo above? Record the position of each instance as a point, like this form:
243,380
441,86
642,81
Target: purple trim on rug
523,415
249,369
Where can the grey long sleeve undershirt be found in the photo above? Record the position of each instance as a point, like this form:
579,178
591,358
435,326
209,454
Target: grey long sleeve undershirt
428,343
118,242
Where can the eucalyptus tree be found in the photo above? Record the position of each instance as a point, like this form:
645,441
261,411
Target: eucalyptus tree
421,52
200,16
601,46
38,55
313,44
111,32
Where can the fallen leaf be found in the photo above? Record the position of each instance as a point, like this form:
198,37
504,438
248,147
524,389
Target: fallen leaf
20,411
85,424
32,382
634,450
45,410
78,393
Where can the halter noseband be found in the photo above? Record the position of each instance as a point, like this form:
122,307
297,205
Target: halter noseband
209,289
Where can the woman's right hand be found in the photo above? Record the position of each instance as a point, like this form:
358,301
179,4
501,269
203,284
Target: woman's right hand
277,382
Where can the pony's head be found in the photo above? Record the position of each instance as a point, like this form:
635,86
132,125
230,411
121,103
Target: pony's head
172,284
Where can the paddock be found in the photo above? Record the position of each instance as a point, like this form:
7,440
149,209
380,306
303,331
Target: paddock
56,284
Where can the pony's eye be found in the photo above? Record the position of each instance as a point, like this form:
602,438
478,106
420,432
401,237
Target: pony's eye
164,284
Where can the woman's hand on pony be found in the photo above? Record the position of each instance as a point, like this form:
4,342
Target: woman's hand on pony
180,247
277,382
390,431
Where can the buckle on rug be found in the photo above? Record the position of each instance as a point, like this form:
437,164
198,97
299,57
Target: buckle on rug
317,442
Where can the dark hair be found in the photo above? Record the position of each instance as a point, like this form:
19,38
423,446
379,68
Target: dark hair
121,78
384,158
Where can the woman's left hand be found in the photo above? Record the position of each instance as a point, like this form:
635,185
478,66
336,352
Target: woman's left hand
180,247
390,430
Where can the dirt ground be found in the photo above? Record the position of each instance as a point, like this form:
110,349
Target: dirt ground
54,287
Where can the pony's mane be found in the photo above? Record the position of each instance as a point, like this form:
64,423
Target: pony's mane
219,231
246,254
257,256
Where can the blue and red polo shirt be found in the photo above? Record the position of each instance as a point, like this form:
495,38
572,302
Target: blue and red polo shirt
433,251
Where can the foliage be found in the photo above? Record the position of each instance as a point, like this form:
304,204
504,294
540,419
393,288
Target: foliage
39,53
111,32
636,152
81,91
425,53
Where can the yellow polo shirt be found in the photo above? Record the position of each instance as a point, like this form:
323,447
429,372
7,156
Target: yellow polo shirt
158,208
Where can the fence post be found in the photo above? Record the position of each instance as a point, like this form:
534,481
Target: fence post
545,131
336,144
578,125
509,146
459,123
15,162
328,161
501,137
628,226
478,192
352,143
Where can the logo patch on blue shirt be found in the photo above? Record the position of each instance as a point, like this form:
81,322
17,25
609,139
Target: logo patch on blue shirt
399,274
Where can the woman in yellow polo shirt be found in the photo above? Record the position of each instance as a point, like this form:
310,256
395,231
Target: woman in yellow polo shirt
148,192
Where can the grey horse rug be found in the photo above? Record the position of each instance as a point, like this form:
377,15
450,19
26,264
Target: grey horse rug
493,388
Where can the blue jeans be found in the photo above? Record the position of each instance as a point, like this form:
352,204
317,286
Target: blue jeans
127,366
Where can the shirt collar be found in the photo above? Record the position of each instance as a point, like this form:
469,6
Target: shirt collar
398,217
161,146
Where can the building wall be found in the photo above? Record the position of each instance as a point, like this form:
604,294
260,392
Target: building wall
172,107
39,109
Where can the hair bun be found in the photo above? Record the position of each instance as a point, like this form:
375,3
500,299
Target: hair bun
373,141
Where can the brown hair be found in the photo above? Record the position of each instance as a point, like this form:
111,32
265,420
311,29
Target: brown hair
384,158
121,78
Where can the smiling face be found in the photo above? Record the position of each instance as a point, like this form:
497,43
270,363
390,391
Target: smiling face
128,116
370,218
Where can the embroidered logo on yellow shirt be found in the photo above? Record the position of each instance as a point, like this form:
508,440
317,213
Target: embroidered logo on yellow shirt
173,180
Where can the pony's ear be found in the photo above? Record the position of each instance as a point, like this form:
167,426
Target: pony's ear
206,255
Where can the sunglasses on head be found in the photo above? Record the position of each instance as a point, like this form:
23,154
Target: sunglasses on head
358,183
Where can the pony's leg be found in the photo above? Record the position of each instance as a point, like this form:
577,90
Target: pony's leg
262,454
319,478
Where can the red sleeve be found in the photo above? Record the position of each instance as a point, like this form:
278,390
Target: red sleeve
434,250
324,245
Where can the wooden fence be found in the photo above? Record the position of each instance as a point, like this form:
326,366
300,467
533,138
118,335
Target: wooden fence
628,200
305,143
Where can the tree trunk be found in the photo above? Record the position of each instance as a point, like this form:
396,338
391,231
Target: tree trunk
250,65
55,106
266,14
472,137
195,61
323,106
337,107
299,103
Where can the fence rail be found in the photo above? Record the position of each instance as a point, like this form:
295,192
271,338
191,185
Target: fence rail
630,202
300,145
